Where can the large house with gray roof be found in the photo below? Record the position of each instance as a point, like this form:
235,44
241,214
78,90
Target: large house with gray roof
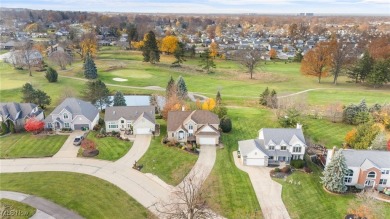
140,119
18,113
199,126
274,145
73,114
367,168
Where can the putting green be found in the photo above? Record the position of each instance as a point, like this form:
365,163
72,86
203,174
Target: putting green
130,73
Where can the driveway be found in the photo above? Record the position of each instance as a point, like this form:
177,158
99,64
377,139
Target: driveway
268,192
45,208
140,146
68,150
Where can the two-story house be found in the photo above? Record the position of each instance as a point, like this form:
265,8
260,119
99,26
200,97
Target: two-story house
199,126
73,113
140,119
18,113
367,168
273,145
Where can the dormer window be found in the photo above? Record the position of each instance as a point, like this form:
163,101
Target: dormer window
283,148
65,116
271,147
190,127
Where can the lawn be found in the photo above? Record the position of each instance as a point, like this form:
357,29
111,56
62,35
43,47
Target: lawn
170,164
89,196
310,193
10,207
110,148
28,145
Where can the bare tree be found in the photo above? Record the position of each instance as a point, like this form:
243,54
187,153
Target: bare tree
25,55
250,59
61,59
335,112
339,52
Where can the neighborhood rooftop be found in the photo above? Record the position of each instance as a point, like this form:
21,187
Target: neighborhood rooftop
277,135
176,118
15,111
129,113
355,158
77,107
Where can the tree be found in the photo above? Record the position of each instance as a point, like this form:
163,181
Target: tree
214,49
171,88
34,125
61,59
264,97
172,104
317,61
363,137
273,100
226,124
179,54
169,44
335,112
220,110
206,61
218,99
273,54
339,52
290,119
88,45
51,75
150,48
90,70
379,48
335,173
24,55
250,60
181,88
41,98
97,93
298,56
154,102
379,142
362,68
350,137
380,73
28,93
356,114
88,145
119,99
208,104
4,128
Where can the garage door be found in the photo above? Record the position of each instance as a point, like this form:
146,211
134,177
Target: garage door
80,126
205,141
142,131
254,162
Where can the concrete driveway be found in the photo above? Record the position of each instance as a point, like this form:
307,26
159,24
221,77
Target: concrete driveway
140,146
68,150
268,192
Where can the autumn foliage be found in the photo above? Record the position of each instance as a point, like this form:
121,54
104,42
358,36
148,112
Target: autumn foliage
173,104
169,44
272,54
388,145
88,145
88,44
350,137
214,49
209,104
34,125
317,61
379,48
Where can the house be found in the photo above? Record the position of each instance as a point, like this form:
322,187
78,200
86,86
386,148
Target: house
274,145
17,113
140,119
199,126
367,168
73,113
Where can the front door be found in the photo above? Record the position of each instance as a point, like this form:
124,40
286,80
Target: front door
369,182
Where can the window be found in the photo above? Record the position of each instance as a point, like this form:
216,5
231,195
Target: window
382,181
190,127
122,121
65,116
112,125
385,171
271,147
49,125
371,174
283,148
348,176
66,125
296,157
271,157
297,149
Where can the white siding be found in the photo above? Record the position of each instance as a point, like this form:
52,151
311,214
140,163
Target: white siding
80,120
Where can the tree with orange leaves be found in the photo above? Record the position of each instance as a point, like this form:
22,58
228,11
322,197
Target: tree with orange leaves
88,44
379,48
317,61
169,44
272,53
209,104
34,125
173,104
350,137
214,49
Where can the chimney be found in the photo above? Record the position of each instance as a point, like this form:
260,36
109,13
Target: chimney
183,108
299,126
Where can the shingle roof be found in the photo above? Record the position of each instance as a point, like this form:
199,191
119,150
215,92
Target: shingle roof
77,107
16,111
176,118
129,113
355,158
282,134
248,146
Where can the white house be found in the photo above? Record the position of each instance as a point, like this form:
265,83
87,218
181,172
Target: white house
274,145
73,113
140,119
367,168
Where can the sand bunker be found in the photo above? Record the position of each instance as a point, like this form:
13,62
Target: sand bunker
119,79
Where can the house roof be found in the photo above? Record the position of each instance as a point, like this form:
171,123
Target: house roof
129,113
277,135
16,111
355,158
176,118
77,107
248,146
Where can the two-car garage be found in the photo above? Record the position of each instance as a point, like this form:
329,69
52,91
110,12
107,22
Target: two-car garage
142,131
207,140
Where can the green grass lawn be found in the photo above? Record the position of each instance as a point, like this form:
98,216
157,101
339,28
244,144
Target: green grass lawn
110,148
89,196
170,164
11,207
309,200
28,145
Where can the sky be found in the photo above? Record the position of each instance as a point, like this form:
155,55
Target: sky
372,7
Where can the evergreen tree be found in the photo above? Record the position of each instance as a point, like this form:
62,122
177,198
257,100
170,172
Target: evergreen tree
361,69
97,93
380,73
90,70
41,98
150,48
179,54
298,56
226,124
334,173
264,97
170,90
181,88
192,51
28,93
206,61
51,75
273,100
379,142
119,99
218,99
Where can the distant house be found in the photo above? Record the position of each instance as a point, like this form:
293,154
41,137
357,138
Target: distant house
8,45
140,119
73,113
200,126
17,113
104,43
18,57
367,168
274,145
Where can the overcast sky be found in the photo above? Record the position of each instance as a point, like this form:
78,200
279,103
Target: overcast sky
374,7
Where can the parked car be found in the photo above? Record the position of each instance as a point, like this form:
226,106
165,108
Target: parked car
238,154
77,140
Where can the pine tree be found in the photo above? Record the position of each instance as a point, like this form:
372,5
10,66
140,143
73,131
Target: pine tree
97,93
273,100
334,173
51,75
150,48
218,99
179,54
119,99
170,90
379,142
362,68
206,61
90,70
380,73
41,99
181,88
28,93
264,97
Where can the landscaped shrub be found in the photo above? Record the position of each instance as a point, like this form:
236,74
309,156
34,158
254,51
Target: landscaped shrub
297,164
12,127
307,170
51,75
276,170
286,169
226,124
97,127
101,122
66,129
4,128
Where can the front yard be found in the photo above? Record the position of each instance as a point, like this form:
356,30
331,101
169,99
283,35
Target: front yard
10,207
28,145
170,164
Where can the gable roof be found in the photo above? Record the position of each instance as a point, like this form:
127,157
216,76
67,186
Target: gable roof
248,146
129,113
355,158
176,118
77,107
16,111
277,135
